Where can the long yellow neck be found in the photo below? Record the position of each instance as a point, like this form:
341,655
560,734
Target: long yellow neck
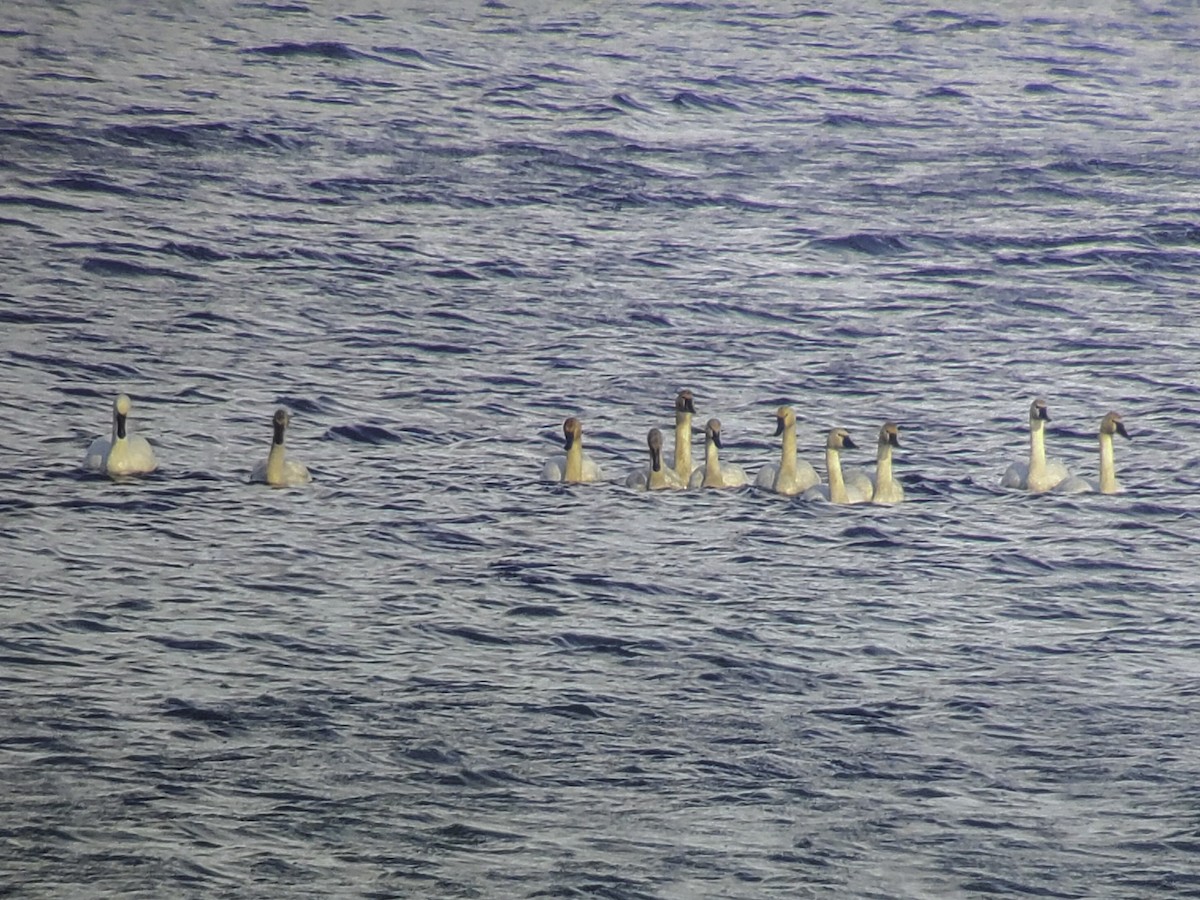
712,465
1108,468
275,464
837,487
574,462
787,458
683,445
883,468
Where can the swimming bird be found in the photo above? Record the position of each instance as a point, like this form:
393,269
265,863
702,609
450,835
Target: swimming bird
125,453
792,475
1039,474
886,488
656,476
277,470
1111,424
714,474
681,459
574,466
837,490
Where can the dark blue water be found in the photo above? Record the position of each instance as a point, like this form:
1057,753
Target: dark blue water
433,234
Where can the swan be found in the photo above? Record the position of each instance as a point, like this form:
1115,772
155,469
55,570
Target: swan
575,466
656,476
277,470
886,488
1040,474
1111,424
713,474
125,453
837,490
791,476
681,459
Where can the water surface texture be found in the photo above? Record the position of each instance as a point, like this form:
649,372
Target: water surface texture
433,231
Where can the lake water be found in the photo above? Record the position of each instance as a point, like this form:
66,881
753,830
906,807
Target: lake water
435,231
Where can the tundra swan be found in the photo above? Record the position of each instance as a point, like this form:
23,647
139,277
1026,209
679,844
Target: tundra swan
837,490
681,459
886,488
1039,474
713,474
792,475
574,466
656,476
125,453
277,470
1111,424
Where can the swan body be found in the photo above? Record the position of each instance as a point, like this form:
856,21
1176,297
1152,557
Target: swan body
792,475
886,488
838,490
125,453
1111,424
681,459
1039,474
574,466
277,470
656,476
714,474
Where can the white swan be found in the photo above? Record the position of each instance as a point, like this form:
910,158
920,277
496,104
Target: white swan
792,475
1111,424
681,459
837,490
886,488
575,466
714,474
277,470
1039,474
125,453
656,476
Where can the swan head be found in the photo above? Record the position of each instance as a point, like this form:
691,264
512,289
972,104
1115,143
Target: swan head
1112,424
122,405
838,439
280,422
654,440
785,417
572,432
684,403
1038,411
889,434
712,432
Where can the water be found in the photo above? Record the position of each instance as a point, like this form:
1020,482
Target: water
433,234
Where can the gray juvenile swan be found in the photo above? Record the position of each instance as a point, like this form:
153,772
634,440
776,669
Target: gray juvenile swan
656,476
1111,424
681,459
574,466
792,475
714,473
837,490
277,470
886,488
1039,474
125,453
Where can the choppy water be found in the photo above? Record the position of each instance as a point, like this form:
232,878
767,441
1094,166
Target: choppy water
433,233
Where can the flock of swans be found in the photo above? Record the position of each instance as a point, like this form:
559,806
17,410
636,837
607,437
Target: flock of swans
125,453
792,476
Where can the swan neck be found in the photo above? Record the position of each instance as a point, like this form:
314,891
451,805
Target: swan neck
712,465
837,487
787,460
275,464
574,461
1108,468
883,467
683,444
119,427
1037,449
277,440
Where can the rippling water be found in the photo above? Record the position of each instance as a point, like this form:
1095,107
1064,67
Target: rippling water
433,234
